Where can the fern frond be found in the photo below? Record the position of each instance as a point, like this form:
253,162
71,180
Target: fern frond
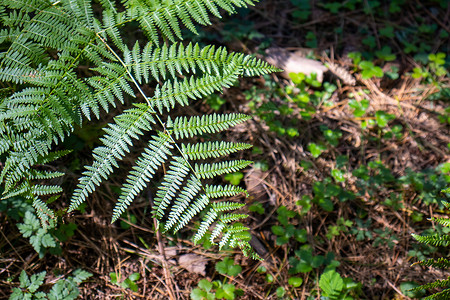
169,186
433,285
111,85
197,206
217,231
232,235
52,156
131,124
435,240
42,190
35,174
19,162
4,146
44,213
45,46
109,5
205,171
166,15
197,125
211,216
252,66
184,199
228,218
208,219
441,262
212,149
175,59
110,22
226,206
22,189
172,92
153,157
443,295
51,27
218,191
443,221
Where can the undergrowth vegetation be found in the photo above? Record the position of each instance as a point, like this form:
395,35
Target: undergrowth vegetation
106,115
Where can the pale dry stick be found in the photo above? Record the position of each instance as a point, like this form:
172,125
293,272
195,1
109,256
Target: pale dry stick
167,275
395,288
160,281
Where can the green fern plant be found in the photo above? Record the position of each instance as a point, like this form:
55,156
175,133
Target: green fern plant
45,95
437,239
64,288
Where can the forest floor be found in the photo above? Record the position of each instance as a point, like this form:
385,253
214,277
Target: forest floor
346,169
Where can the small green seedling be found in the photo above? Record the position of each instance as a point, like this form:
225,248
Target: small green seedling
203,292
332,136
280,292
338,175
382,118
369,70
257,207
41,239
305,203
385,54
295,281
285,233
215,101
334,287
234,178
128,283
359,107
342,225
304,261
227,267
219,289
316,149
65,288
361,230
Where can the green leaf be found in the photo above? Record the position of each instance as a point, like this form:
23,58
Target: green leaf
36,281
113,277
134,276
131,285
257,207
278,230
338,175
316,149
406,288
226,291
359,107
24,280
234,178
281,291
227,267
198,294
205,285
385,54
369,70
383,118
301,235
331,284
295,281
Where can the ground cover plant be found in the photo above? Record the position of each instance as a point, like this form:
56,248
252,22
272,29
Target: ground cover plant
346,168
